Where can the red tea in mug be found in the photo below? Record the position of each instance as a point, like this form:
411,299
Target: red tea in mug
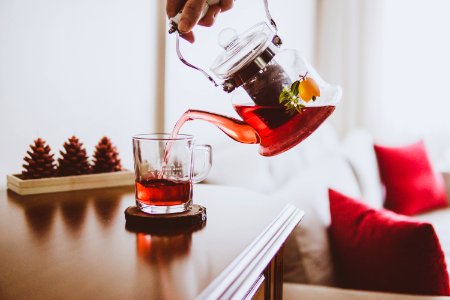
163,192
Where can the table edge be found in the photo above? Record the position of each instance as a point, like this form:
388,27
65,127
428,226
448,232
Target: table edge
237,279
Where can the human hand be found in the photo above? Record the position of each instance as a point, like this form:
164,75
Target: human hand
191,13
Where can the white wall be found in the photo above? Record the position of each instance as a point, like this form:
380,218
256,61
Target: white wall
84,68
187,88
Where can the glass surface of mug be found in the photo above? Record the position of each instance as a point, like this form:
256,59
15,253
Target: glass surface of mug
165,169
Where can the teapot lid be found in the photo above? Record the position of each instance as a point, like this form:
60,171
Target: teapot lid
244,54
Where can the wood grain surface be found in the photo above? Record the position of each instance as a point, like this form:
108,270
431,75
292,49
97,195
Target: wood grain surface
75,245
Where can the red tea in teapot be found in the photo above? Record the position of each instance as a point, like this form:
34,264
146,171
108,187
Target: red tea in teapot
275,129
279,130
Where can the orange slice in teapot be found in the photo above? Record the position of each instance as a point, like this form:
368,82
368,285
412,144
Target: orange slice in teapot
308,89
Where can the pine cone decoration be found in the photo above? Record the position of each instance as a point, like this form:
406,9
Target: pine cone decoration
106,157
75,160
40,163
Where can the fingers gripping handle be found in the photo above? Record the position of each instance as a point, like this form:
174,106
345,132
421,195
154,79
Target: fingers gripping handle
175,20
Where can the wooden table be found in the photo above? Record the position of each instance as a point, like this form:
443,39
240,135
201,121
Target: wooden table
75,245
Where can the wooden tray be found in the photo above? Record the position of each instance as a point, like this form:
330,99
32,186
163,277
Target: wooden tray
69,183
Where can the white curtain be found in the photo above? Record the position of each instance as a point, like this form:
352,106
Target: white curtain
348,47
391,59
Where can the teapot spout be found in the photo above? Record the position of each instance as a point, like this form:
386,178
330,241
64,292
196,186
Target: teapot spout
234,128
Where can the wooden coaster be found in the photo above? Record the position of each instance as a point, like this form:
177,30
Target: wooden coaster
191,220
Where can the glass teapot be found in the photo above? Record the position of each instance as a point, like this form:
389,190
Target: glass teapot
277,93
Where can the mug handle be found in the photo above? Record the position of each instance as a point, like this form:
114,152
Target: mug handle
202,162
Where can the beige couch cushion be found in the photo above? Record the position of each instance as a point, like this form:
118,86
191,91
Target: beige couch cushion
358,149
308,257
240,165
293,291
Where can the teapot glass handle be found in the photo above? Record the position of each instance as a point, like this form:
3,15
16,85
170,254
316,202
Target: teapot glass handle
210,78
184,61
269,16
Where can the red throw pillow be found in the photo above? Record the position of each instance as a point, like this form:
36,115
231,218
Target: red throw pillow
412,186
380,250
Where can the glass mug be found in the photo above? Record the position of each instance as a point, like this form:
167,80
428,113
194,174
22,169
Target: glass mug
165,169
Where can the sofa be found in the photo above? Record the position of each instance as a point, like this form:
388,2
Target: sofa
303,176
